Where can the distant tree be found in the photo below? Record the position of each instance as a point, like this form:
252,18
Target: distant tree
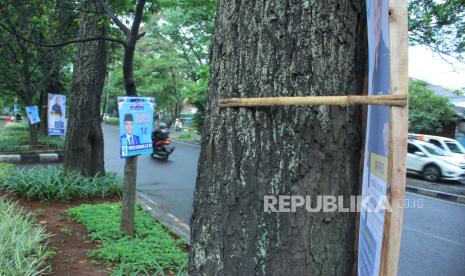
427,111
439,25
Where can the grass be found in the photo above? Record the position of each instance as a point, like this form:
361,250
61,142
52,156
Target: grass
15,137
112,121
151,251
55,184
22,243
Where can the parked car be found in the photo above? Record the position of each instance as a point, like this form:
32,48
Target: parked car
450,146
433,163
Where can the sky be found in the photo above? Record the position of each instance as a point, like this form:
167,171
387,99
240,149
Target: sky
430,67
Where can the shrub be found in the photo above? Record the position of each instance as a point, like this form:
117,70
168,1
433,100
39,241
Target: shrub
22,248
151,250
17,126
112,121
186,136
15,137
53,183
5,170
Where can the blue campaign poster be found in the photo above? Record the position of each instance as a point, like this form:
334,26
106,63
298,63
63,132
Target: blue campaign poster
136,124
56,114
33,114
375,167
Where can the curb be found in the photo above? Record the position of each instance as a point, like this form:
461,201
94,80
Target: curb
32,157
437,194
168,220
195,143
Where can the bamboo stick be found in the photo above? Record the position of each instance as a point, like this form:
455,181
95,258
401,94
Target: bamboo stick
391,100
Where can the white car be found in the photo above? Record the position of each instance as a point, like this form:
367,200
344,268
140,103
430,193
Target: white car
450,146
433,163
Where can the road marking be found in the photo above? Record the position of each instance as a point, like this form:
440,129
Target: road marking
434,236
435,198
148,199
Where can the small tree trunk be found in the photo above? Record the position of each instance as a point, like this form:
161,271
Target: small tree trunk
43,128
84,136
129,196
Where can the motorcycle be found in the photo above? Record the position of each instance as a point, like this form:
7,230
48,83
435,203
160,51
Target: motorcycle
162,147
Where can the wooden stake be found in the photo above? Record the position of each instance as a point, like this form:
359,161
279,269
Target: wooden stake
398,139
392,100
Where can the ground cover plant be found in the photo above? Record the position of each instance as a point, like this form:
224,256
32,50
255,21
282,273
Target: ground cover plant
153,250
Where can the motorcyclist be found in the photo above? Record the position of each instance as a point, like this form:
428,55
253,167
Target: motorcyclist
160,133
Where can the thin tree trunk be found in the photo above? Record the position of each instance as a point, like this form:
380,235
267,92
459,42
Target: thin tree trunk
84,136
28,92
279,48
130,166
130,169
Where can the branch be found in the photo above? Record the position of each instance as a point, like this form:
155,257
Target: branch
13,32
113,17
137,17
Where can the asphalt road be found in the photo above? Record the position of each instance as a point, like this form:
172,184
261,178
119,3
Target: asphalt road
170,183
433,239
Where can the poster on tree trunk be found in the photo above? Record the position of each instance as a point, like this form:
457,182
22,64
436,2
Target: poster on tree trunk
56,114
136,124
33,114
375,166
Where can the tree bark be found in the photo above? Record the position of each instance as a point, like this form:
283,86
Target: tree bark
84,136
279,48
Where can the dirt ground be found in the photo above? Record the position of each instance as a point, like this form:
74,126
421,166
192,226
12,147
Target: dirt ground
69,241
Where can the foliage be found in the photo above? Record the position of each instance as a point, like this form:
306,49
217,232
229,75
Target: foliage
427,111
186,136
438,25
5,170
15,137
22,244
112,121
172,62
151,250
53,183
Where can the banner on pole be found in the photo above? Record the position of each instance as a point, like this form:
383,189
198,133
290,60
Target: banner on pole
33,114
56,114
375,166
136,124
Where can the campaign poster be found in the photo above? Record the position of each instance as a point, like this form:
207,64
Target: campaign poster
135,123
33,114
375,167
56,114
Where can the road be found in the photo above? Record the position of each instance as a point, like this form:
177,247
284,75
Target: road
433,239
170,184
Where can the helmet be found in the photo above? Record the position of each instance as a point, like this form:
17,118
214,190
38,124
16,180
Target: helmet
162,125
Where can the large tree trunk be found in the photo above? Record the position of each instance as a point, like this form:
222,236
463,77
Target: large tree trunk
84,136
279,48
